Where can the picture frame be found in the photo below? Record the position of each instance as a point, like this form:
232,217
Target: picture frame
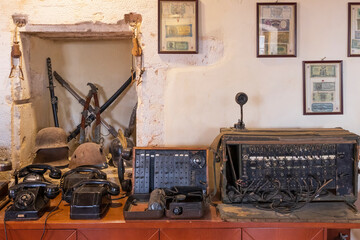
276,29
178,26
354,29
322,87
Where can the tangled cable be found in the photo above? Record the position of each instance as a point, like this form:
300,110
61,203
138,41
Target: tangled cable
270,194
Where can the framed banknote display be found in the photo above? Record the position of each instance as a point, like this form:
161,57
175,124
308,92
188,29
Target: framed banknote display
276,29
322,87
178,26
354,29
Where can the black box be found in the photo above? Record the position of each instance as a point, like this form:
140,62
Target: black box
287,161
166,168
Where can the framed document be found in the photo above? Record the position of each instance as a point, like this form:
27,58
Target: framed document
354,29
276,30
322,87
178,26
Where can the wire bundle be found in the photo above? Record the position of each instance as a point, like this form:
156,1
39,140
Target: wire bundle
271,194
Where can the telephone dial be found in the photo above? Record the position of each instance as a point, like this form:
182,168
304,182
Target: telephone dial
76,175
35,172
30,200
90,198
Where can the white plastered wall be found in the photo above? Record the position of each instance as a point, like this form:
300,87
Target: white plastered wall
202,97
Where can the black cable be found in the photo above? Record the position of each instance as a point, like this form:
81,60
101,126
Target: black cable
48,216
123,196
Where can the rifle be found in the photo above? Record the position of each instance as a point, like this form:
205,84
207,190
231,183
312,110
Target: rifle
91,118
53,98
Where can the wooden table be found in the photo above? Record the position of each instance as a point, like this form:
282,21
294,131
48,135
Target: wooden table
113,226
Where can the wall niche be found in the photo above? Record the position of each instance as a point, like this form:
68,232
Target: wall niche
81,53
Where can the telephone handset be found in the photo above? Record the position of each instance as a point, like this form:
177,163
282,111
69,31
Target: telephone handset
98,173
35,172
112,188
126,185
50,191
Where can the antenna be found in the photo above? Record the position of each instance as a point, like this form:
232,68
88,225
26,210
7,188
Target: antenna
241,98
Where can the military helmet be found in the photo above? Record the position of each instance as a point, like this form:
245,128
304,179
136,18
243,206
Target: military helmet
51,147
88,153
50,137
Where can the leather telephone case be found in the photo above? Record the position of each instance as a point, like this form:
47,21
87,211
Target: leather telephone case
169,182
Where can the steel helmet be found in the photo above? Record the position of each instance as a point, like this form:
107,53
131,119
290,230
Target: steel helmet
51,147
88,153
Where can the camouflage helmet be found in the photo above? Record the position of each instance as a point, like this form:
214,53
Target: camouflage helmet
51,147
88,153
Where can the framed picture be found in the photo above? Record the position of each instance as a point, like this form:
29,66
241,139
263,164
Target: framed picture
276,30
178,26
354,29
322,87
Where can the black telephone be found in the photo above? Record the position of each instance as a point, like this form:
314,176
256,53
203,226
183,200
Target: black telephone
76,175
90,198
30,200
35,172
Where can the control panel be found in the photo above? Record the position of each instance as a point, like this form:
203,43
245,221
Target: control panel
165,168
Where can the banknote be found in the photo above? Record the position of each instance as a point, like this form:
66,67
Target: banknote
357,34
178,30
177,8
358,24
358,13
279,12
280,37
276,12
323,96
270,25
322,107
323,71
276,49
355,43
324,86
177,46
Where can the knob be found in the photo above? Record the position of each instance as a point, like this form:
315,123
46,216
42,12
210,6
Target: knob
177,210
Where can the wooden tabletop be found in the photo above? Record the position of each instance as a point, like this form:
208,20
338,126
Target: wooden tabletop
60,219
